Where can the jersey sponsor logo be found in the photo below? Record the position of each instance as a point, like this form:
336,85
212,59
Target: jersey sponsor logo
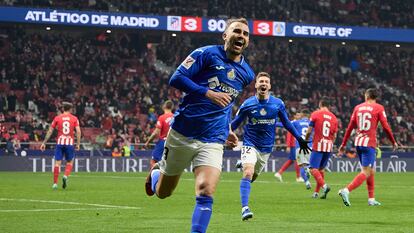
231,74
214,82
263,112
263,121
188,62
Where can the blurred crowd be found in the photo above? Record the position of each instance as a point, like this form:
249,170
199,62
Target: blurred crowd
378,13
117,87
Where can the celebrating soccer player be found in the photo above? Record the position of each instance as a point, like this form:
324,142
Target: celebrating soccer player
162,127
364,119
65,123
325,125
211,78
262,111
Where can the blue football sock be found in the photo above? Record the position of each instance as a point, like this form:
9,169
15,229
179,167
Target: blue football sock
303,174
245,191
202,213
154,179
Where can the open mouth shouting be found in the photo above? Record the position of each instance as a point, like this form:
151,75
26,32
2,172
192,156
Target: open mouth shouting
238,45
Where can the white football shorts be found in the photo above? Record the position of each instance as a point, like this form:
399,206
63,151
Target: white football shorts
302,158
251,155
180,152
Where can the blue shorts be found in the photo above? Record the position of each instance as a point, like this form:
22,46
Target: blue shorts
319,160
64,150
292,154
158,150
366,156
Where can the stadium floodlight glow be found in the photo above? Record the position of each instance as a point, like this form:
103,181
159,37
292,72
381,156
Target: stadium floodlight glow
108,31
397,45
48,28
290,40
173,35
343,43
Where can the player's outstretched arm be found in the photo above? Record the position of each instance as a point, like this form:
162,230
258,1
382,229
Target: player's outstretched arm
48,134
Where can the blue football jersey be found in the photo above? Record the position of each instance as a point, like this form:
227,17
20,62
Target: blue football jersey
262,116
301,126
208,68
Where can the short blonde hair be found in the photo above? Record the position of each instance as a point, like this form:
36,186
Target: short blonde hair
235,20
260,74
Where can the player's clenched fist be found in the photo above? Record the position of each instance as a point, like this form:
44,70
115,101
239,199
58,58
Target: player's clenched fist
220,98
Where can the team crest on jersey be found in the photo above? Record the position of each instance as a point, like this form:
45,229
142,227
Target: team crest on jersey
263,112
231,74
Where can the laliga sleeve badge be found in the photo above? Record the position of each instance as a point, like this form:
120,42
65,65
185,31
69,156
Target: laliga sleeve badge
188,62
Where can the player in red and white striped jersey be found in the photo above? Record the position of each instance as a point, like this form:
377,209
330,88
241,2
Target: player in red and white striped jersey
365,120
65,123
162,128
325,126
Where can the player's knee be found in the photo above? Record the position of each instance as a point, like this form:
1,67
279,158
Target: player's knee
366,172
205,188
248,173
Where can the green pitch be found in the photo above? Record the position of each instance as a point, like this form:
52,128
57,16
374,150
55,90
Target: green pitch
116,202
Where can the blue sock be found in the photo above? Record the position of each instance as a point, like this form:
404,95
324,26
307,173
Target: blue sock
154,179
303,174
245,191
202,213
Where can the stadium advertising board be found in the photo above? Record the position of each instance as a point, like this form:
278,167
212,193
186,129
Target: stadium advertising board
82,18
141,163
199,24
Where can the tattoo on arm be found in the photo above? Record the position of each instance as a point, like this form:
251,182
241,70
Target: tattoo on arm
48,134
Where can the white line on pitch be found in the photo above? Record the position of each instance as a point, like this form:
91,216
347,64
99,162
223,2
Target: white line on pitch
237,181
50,210
70,203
